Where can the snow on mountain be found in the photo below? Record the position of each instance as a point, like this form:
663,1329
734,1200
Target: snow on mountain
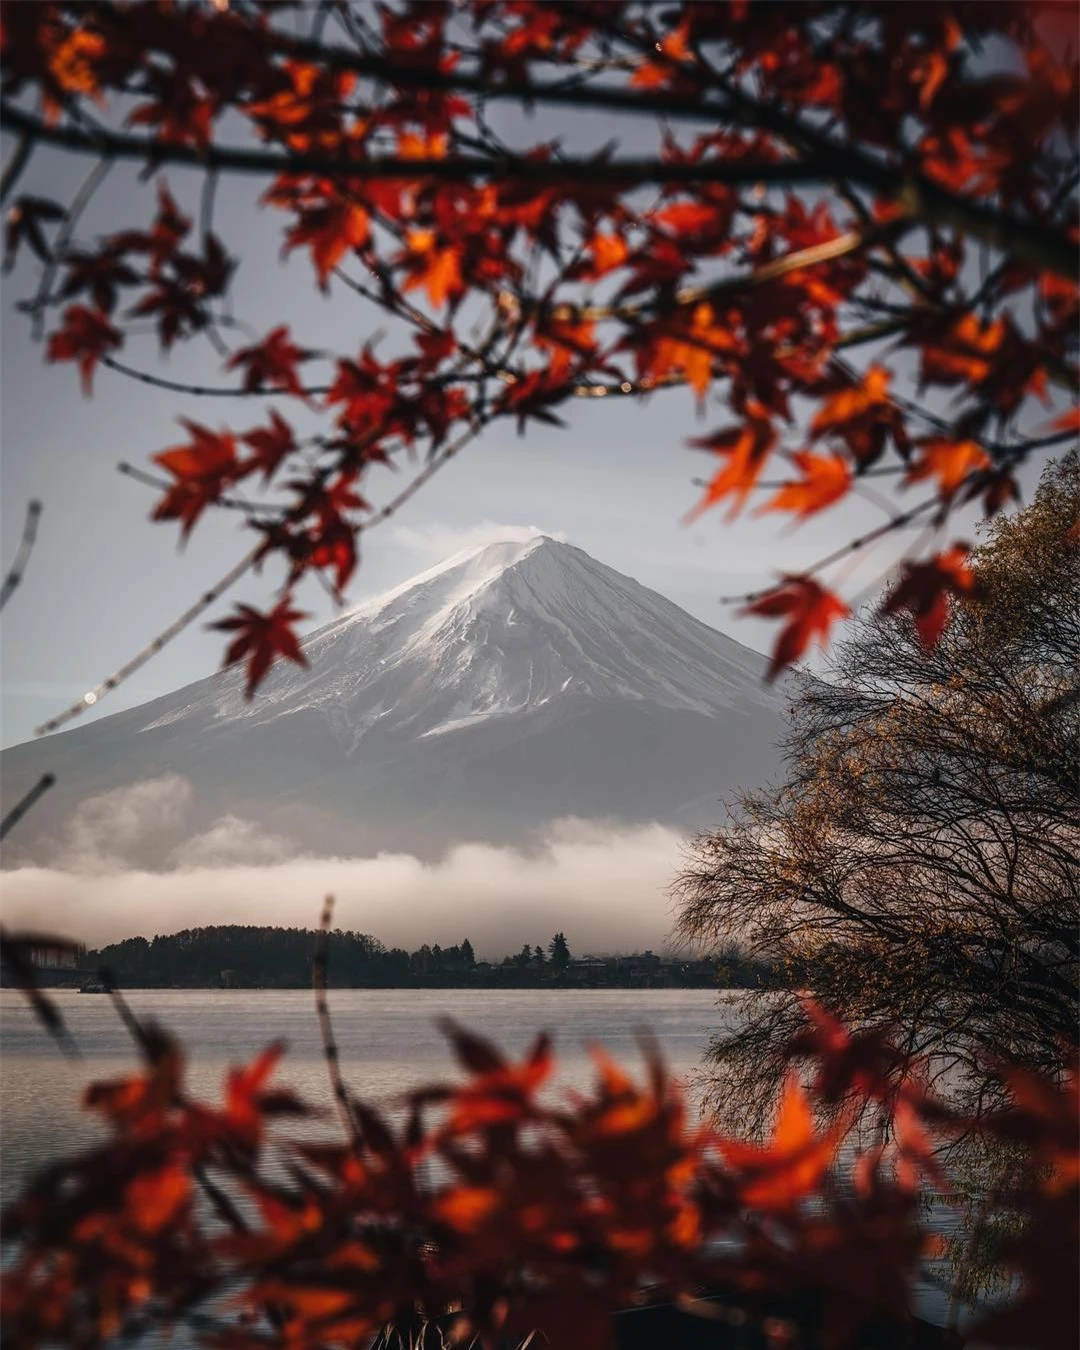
508,686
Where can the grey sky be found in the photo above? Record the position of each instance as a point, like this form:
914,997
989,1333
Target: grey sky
104,579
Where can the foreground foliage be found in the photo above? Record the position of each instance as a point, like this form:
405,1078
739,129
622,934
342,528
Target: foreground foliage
499,1210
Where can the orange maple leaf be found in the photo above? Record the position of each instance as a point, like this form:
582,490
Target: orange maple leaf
438,270
790,1166
872,391
826,478
691,348
747,447
950,462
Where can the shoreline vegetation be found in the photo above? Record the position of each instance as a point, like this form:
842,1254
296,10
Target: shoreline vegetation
252,957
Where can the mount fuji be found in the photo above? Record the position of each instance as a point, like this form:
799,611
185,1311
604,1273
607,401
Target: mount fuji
510,686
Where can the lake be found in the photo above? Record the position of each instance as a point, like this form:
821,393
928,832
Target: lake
388,1039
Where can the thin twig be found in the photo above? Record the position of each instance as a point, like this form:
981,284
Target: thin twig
15,165
79,204
853,546
43,784
326,1027
22,553
152,648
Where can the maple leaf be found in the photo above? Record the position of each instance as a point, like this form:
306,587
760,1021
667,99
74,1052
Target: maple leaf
201,470
608,251
87,336
747,447
853,401
153,1199
963,352
950,462
924,589
792,1164
437,269
179,308
810,610
73,61
863,415
98,273
691,347
826,478
271,363
569,343
329,231
271,444
244,1088
261,638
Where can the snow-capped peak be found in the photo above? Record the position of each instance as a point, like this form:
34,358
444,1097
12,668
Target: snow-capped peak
503,629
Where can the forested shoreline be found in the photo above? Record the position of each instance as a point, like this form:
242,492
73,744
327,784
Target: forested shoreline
250,957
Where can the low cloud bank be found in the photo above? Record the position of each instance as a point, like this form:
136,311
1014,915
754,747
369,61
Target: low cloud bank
606,886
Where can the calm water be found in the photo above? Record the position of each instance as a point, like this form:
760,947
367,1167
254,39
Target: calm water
388,1039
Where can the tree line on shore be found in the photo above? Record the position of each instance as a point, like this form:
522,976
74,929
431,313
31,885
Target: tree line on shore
254,956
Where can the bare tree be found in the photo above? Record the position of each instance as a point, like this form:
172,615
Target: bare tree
919,865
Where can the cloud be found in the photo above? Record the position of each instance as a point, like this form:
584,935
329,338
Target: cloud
112,827
231,842
433,543
605,886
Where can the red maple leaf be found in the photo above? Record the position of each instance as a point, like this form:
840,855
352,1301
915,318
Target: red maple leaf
810,610
260,638
329,231
85,338
271,444
271,364
924,589
201,470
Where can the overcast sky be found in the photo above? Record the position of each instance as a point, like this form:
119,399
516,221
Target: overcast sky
103,580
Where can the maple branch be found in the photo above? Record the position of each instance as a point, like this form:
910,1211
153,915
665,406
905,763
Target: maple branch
1041,245
152,648
163,485
15,165
326,1027
22,553
853,546
79,204
205,390
26,803
456,169
813,256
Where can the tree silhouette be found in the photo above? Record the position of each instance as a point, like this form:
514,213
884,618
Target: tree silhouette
560,951
921,854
